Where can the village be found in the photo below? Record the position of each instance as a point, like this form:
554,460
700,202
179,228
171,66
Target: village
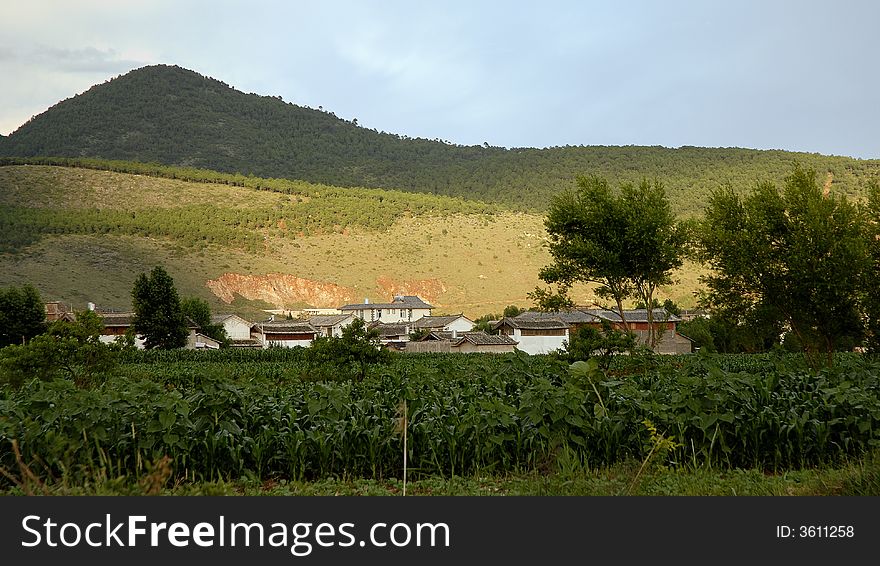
406,324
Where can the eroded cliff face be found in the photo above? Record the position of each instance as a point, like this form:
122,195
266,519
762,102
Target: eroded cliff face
280,289
284,290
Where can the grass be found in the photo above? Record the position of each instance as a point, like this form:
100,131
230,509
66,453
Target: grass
480,262
857,478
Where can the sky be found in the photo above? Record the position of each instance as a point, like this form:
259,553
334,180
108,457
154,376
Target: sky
771,74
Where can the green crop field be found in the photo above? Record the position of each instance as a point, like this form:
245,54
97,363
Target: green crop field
260,420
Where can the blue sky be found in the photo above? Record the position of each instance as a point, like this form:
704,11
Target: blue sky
800,76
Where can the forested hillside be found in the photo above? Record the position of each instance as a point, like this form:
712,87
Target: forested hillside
174,116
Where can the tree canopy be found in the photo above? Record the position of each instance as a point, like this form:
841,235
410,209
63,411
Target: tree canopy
628,242
797,256
199,311
22,314
158,316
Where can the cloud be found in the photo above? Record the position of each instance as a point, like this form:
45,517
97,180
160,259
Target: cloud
75,60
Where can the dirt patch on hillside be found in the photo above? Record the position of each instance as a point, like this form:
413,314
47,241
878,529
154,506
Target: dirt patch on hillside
281,290
428,289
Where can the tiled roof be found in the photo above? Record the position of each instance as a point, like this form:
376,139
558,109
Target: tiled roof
436,321
389,329
480,338
537,323
286,327
404,302
327,320
634,315
116,318
219,318
571,316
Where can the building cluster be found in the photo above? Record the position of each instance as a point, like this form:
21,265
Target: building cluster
406,324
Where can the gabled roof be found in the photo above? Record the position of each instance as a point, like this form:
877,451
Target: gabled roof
571,316
328,319
438,321
221,318
404,302
480,338
532,323
285,327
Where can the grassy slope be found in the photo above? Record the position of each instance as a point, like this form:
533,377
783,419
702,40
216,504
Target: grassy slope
486,261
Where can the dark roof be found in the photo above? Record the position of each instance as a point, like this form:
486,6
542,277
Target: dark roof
534,323
437,321
286,327
399,302
116,318
249,343
570,316
389,329
480,338
437,335
219,318
634,315
328,319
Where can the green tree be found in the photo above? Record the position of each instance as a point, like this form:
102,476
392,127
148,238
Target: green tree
601,343
199,311
67,349
796,257
22,315
158,316
352,353
871,299
627,242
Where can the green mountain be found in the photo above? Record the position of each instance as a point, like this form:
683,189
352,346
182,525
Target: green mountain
173,116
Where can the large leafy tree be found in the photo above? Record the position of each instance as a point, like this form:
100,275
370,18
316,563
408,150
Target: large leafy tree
628,242
351,353
158,316
22,315
871,298
199,311
797,257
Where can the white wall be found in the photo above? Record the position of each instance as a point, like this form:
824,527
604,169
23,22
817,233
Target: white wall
460,324
110,338
236,329
538,344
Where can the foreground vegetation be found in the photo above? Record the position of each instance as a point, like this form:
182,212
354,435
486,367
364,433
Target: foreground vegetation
527,423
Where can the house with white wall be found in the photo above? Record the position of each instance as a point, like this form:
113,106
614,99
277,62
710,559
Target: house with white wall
534,335
284,333
236,327
457,323
402,308
331,325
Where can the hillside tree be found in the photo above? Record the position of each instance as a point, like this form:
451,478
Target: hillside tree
158,316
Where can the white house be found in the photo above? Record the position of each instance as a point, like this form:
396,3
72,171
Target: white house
116,324
402,308
236,327
391,334
331,325
198,341
457,323
284,333
534,335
